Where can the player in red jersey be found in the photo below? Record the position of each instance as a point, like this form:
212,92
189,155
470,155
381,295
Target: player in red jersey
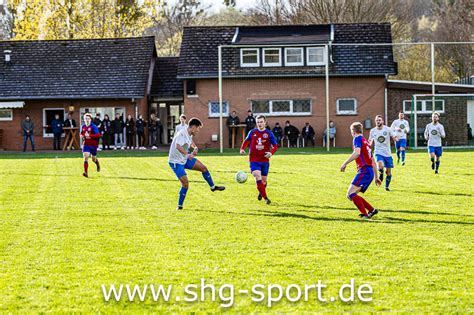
262,147
91,135
366,168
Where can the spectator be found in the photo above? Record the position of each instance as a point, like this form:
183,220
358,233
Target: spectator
249,122
233,120
97,121
308,134
469,132
69,122
291,133
160,129
182,124
332,134
153,129
129,131
28,127
106,131
117,126
57,126
278,133
141,124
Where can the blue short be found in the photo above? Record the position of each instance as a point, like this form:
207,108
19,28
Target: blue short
260,166
387,160
364,178
438,151
179,169
402,143
91,150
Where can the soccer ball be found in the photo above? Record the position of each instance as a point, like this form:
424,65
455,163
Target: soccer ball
241,177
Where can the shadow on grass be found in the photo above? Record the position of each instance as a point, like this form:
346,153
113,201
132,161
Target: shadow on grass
382,210
379,219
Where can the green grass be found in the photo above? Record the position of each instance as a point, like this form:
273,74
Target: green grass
62,235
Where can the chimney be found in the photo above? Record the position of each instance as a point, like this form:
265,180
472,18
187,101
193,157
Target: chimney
7,55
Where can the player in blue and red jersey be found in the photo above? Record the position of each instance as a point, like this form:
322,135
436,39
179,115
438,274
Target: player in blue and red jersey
91,135
366,168
263,145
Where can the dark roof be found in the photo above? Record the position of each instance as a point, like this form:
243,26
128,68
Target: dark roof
165,83
199,50
440,88
65,69
283,34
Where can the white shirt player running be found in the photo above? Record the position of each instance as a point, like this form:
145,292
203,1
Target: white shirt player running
382,140
403,125
434,133
183,139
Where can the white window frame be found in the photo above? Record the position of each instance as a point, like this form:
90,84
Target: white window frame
290,113
272,64
423,107
242,64
6,118
346,112
293,64
224,114
50,135
314,63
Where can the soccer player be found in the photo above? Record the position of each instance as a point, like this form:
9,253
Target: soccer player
380,135
179,159
91,135
401,127
434,132
366,168
263,145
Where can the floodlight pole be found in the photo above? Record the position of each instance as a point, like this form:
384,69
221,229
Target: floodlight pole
415,125
326,53
433,88
220,99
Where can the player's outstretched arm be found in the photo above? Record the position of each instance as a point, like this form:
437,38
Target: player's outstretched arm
378,182
426,133
355,154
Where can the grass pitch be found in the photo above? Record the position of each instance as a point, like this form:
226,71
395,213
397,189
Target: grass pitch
63,236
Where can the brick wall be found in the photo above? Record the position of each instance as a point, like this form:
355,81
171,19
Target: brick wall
369,92
13,135
454,118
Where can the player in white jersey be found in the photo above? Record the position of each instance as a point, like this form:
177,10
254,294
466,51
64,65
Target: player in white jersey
179,159
434,133
401,127
380,135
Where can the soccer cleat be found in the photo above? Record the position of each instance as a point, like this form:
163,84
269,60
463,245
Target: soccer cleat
363,216
259,197
85,174
436,172
179,208
217,188
403,163
432,165
267,201
387,189
372,213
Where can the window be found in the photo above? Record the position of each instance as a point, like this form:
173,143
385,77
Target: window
6,114
347,106
424,106
271,57
48,116
315,56
294,56
249,57
281,107
214,108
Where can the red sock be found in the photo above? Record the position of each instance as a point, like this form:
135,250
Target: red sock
359,202
367,205
86,166
261,189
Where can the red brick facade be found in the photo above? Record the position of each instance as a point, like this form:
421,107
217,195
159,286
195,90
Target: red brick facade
13,135
369,92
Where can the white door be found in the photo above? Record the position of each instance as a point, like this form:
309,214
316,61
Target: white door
470,113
